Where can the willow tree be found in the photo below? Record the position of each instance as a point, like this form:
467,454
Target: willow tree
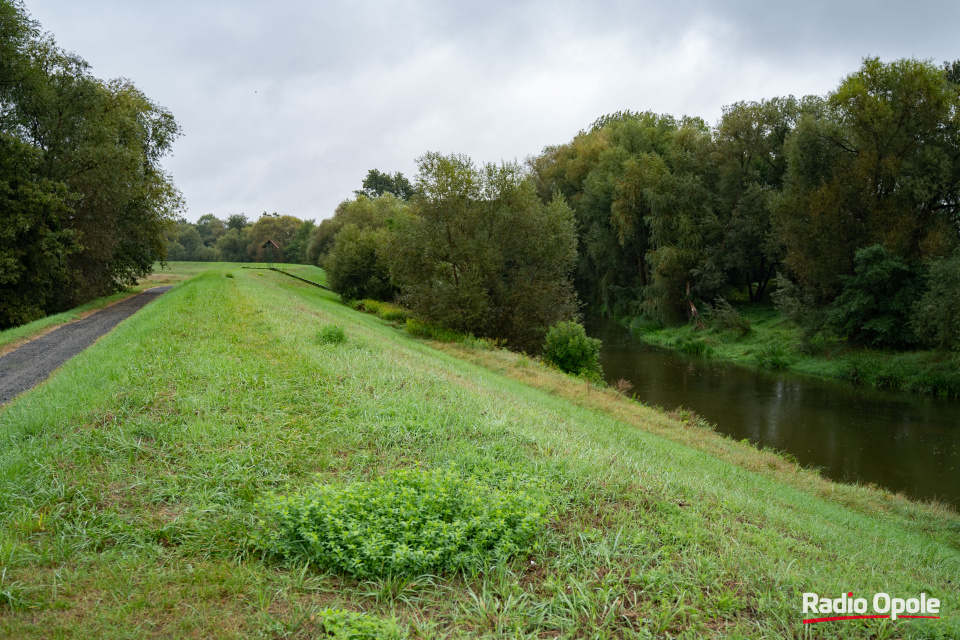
481,253
877,162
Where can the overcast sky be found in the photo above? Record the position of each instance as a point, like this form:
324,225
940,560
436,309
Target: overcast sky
286,105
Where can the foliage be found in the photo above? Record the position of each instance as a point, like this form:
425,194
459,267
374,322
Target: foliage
282,229
775,356
86,200
331,334
378,183
346,625
407,522
384,310
569,348
353,242
876,162
365,213
233,245
725,317
482,254
692,345
875,304
935,317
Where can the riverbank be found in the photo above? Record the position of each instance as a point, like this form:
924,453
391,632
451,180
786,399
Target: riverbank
776,342
136,486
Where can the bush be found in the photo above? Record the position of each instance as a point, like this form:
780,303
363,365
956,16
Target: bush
385,310
331,334
725,317
775,356
408,522
875,304
568,347
354,269
692,346
936,315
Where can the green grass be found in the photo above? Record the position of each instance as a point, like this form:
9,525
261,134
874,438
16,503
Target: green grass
778,343
133,485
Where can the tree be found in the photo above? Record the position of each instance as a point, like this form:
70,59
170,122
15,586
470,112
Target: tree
237,221
92,151
234,244
482,254
280,229
355,262
210,229
354,268
297,247
935,317
875,305
377,183
877,162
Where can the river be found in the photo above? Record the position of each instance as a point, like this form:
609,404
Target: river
899,441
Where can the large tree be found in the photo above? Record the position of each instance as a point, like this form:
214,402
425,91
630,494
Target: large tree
483,254
87,198
877,162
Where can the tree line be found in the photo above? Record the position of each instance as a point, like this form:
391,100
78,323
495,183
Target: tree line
236,239
845,208
842,209
83,197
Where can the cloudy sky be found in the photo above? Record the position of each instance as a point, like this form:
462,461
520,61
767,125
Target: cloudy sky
286,105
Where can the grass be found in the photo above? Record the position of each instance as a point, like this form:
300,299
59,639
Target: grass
132,488
775,342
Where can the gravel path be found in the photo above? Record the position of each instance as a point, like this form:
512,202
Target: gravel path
31,364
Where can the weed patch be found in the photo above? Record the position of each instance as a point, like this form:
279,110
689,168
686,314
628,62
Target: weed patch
345,625
385,310
331,334
408,522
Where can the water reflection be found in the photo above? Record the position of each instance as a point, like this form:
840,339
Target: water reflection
899,441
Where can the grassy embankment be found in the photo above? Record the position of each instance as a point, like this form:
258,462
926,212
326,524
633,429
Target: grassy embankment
130,484
774,341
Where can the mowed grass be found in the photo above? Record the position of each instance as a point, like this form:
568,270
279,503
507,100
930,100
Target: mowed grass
131,489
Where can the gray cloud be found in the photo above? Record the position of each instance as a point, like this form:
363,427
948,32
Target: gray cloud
286,105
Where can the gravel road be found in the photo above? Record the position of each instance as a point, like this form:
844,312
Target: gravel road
31,364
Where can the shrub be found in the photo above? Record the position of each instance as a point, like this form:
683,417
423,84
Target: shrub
775,356
692,346
408,522
936,315
726,317
353,267
385,310
875,304
568,347
331,334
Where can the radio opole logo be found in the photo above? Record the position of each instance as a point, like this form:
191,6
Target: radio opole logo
884,606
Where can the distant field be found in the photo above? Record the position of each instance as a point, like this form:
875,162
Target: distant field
133,489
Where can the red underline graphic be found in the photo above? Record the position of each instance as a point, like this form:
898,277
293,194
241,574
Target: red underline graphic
813,620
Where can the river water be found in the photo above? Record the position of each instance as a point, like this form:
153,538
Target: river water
899,441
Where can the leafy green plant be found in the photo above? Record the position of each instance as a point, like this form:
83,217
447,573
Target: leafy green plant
875,305
568,347
693,346
346,625
387,311
725,317
775,356
408,522
935,317
331,334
